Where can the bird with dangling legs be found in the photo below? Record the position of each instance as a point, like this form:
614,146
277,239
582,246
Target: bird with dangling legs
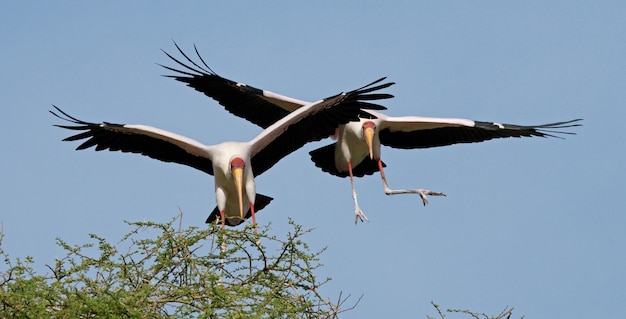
357,151
357,141
353,155
369,133
234,164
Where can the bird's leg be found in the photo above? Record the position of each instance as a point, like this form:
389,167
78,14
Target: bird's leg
252,214
223,248
388,191
223,217
422,192
358,213
256,231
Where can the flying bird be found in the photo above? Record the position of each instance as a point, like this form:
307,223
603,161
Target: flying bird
234,164
357,150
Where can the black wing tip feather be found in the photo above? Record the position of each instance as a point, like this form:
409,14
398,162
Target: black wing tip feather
542,130
66,117
382,86
80,126
200,70
371,88
562,124
360,95
548,130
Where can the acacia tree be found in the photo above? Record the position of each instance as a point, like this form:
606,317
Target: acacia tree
160,270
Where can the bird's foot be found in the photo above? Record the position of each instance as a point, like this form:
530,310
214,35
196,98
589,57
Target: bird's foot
358,213
424,192
359,216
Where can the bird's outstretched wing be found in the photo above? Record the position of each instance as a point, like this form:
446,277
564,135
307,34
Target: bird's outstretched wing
150,141
312,123
260,107
423,132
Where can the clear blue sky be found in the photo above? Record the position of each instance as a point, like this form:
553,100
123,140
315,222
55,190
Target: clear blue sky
538,224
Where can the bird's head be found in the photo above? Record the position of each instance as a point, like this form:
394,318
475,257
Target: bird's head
237,165
369,129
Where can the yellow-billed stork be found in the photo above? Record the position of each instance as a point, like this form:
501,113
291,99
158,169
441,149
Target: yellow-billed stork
357,151
234,164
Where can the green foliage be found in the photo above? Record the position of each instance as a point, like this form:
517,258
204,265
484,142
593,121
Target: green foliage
159,270
162,271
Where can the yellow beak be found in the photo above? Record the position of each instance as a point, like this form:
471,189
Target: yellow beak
369,136
238,178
